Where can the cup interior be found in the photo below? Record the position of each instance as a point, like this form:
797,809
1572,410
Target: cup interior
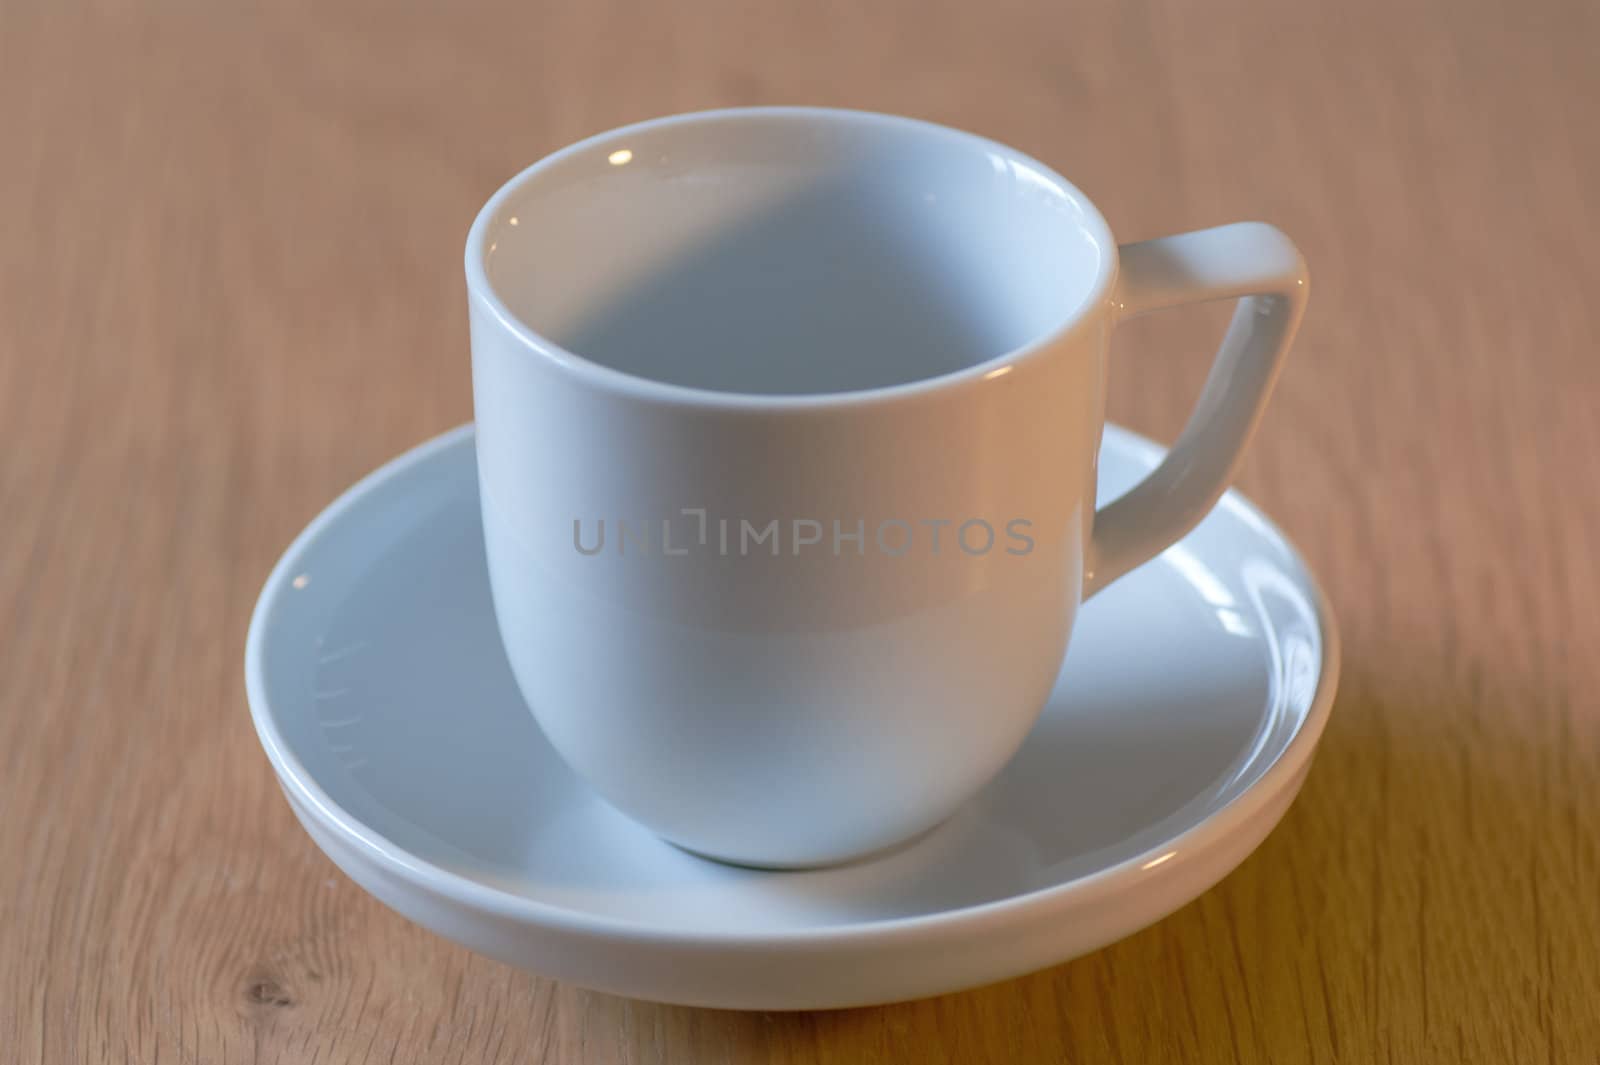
791,251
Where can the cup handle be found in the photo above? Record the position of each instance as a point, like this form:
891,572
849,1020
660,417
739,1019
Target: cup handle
1249,261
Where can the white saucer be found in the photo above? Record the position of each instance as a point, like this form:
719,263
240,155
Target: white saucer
1199,687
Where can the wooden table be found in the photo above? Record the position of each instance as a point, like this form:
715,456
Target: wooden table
230,284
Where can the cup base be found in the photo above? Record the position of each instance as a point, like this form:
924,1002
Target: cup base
850,858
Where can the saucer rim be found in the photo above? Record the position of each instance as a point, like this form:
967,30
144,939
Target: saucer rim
1286,772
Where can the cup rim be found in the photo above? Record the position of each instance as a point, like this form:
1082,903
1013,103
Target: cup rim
624,384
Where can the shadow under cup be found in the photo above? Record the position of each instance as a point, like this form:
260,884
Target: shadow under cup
785,254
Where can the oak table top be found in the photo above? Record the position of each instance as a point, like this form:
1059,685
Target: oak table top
230,284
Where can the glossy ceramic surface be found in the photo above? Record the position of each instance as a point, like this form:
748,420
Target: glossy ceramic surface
842,332
1179,730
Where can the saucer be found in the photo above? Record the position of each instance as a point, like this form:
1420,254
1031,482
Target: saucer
1182,726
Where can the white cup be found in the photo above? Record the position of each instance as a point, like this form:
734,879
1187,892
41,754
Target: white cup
787,429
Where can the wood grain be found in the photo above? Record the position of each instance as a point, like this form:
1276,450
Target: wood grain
230,284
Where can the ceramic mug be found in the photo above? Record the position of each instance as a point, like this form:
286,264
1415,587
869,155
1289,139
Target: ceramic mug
787,427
